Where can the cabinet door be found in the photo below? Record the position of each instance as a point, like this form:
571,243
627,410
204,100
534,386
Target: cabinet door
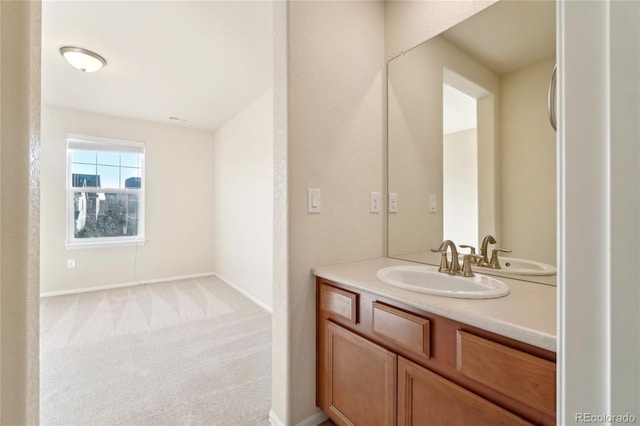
425,398
359,379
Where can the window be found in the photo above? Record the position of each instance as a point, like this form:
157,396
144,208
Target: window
105,191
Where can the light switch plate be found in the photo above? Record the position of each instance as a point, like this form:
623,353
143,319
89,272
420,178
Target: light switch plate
313,200
433,203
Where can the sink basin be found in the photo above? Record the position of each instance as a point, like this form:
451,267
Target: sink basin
427,279
512,265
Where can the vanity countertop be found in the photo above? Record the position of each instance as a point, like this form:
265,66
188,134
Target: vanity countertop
527,313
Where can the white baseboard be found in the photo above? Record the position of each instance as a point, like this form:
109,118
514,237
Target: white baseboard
129,284
274,420
314,420
245,293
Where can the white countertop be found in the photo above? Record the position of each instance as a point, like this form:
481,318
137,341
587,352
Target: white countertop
527,313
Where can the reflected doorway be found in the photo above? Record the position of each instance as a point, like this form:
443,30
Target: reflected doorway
459,166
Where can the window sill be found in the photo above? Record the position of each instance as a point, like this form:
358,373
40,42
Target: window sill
103,244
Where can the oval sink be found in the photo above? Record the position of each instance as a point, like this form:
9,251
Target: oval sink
427,279
512,265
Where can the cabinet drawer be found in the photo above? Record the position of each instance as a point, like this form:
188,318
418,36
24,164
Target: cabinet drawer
407,330
525,377
340,303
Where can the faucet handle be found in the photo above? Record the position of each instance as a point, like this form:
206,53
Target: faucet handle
472,248
444,262
495,262
467,261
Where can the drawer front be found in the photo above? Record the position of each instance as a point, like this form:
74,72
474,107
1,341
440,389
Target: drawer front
522,376
407,330
340,303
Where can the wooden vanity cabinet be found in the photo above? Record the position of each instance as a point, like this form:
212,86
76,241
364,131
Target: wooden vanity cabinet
384,363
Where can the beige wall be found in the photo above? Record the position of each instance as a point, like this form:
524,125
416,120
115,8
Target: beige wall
281,374
243,199
528,164
335,143
19,211
179,204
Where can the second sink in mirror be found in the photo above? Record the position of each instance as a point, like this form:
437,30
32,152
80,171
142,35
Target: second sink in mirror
512,265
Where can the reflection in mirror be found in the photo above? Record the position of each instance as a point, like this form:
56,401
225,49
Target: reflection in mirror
459,164
470,148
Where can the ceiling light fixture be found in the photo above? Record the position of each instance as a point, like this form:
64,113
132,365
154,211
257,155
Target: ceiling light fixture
82,59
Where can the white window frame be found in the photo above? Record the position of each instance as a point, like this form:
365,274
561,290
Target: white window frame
75,141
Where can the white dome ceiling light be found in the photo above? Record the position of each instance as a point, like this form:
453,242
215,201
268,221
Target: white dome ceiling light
83,59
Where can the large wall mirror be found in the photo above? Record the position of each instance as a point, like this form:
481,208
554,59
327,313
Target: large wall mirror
471,151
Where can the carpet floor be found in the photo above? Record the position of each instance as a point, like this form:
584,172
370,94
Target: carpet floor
189,352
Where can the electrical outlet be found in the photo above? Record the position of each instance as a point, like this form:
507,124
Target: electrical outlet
71,264
374,202
393,202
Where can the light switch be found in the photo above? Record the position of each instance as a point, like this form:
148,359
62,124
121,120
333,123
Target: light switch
433,203
374,200
313,200
393,202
